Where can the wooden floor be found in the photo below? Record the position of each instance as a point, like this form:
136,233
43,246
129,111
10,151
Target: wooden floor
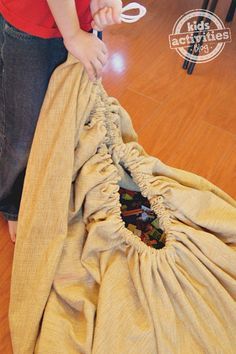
188,122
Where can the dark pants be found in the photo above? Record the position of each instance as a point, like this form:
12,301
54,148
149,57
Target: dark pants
26,65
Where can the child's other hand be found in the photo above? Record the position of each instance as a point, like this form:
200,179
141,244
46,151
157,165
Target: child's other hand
105,13
90,50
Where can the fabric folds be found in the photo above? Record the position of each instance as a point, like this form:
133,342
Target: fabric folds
81,281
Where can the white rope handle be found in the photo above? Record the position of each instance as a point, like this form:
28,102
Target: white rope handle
133,18
130,18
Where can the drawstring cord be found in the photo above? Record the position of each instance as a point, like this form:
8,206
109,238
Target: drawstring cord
130,18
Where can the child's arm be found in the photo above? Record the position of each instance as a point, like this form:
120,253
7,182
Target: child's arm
85,46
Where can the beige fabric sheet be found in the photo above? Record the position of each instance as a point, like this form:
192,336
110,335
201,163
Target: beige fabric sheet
81,281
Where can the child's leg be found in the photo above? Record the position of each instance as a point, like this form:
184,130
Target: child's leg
27,63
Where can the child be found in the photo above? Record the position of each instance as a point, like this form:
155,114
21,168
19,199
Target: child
34,39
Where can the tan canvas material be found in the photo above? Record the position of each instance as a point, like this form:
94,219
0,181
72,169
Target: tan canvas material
81,281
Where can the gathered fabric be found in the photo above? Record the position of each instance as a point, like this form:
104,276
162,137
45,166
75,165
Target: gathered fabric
82,282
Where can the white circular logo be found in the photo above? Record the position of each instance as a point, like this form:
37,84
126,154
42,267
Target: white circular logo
199,36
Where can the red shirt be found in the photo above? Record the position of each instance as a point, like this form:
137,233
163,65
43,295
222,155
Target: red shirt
35,17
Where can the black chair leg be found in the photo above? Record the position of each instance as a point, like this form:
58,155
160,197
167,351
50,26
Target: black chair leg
190,48
212,9
230,14
190,68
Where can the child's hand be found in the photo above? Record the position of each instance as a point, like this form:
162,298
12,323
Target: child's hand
105,13
90,50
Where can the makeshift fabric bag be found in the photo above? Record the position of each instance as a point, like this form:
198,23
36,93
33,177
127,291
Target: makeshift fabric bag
82,281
